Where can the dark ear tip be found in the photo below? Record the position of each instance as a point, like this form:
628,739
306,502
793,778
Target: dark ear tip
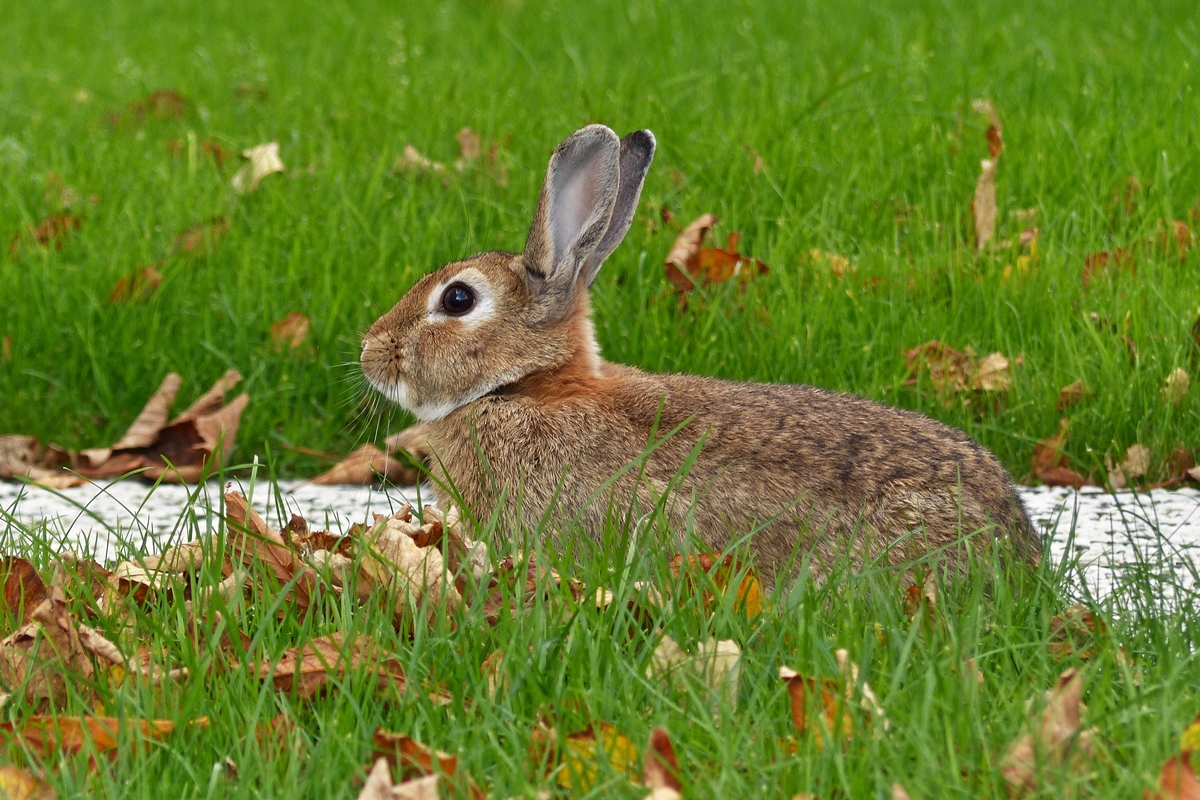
642,140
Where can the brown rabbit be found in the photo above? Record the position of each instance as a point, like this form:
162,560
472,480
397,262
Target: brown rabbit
496,355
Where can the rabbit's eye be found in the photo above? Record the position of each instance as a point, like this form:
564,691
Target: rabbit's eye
458,299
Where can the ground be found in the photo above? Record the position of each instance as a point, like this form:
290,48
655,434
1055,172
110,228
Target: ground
849,131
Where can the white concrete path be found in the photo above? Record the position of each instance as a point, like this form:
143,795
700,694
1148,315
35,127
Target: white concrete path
1160,530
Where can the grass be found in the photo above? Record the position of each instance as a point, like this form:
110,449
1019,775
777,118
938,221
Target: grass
861,117
568,662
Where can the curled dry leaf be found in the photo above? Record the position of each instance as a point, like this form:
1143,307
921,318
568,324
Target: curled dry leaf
1135,465
1054,740
181,451
50,735
1108,262
718,572
18,784
1176,781
1071,394
23,457
411,160
716,663
411,757
660,768
1050,463
52,232
365,466
983,204
953,371
253,542
23,587
1073,633
379,785
689,263
290,332
1176,386
393,560
1174,237
311,667
599,743
850,682
262,160
137,285
804,693
202,236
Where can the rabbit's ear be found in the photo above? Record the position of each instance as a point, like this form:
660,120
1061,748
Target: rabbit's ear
572,216
637,151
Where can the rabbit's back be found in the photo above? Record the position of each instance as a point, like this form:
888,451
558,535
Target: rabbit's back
833,471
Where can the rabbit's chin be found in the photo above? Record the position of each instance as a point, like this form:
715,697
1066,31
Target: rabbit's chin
399,394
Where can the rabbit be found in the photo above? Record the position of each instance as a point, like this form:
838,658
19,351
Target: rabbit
497,358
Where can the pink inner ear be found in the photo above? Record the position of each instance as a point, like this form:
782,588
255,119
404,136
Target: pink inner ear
577,190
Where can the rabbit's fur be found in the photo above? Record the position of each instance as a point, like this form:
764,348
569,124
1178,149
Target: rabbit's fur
525,418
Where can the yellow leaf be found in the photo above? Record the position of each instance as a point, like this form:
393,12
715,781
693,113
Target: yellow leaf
1189,742
581,761
18,784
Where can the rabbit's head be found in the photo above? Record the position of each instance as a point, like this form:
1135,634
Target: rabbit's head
476,325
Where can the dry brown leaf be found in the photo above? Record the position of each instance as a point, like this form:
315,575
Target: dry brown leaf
1050,463
311,667
1073,633
392,559
921,596
899,792
23,457
23,587
719,572
379,786
689,263
18,784
1176,781
1054,740
54,734
365,466
1174,237
1176,386
52,232
263,160
660,769
956,372
469,144
411,159
1180,462
804,693
1135,465
1106,262
202,236
983,204
410,757
137,285
838,266
179,452
291,331
1071,394
252,542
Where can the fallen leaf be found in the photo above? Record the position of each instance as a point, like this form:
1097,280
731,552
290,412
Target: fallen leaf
956,372
689,263
1054,740
392,559
1050,463
805,693
899,792
379,786
921,595
660,768
983,204
23,587
1176,781
18,784
313,666
994,138
586,750
1071,394
1176,386
1174,237
493,670
469,143
411,757
249,91
411,160
263,161
1135,465
175,452
203,236
253,542
52,734
366,466
137,285
23,458
852,685
1073,633
52,232
838,266
1180,462
1107,262
291,331
719,572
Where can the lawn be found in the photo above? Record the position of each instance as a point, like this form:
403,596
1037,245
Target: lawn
805,127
